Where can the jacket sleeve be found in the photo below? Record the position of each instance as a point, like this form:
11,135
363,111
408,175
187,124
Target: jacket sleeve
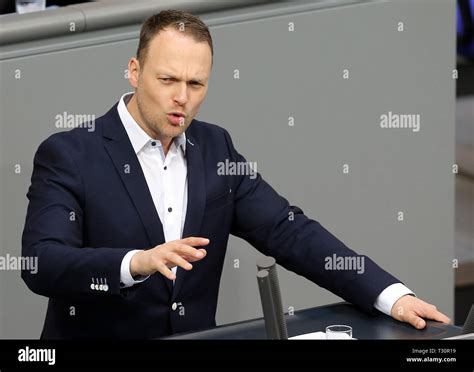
53,232
268,222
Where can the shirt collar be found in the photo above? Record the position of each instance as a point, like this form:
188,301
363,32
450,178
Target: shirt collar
138,137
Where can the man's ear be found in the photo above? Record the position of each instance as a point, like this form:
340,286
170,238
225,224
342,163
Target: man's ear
133,72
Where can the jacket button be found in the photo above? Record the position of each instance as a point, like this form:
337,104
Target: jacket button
174,306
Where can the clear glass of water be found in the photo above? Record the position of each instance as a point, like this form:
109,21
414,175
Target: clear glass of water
27,6
338,332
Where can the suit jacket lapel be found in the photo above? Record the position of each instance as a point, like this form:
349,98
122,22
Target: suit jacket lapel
123,156
196,201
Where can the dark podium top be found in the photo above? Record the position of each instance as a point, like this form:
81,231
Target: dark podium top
316,319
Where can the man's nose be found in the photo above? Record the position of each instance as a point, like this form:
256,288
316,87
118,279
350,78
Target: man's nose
181,95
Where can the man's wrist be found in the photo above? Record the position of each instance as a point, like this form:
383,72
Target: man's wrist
127,278
389,296
134,264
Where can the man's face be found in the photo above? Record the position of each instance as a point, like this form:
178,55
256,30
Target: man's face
173,79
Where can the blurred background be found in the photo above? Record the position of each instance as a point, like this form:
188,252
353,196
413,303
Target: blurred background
464,246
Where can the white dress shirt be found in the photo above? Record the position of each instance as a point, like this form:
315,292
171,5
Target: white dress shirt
167,181
166,177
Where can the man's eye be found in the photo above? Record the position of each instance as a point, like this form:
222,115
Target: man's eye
165,80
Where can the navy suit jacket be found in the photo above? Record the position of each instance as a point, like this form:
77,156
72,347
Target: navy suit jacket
89,205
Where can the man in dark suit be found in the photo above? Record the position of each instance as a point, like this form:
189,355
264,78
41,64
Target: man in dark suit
130,222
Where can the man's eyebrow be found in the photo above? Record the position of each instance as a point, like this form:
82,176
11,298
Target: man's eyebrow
171,76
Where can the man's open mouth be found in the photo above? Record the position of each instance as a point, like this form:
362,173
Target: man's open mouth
176,118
